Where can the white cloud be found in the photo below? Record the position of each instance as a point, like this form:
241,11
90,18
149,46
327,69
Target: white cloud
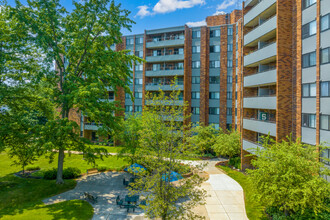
143,11
166,6
225,4
219,13
196,24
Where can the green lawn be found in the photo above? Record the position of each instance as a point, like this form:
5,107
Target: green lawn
254,209
22,198
110,149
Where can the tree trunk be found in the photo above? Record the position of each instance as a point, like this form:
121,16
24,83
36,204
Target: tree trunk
59,178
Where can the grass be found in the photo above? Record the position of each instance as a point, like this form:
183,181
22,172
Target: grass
22,198
110,149
254,209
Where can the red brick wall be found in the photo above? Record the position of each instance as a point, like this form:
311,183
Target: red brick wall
223,76
204,75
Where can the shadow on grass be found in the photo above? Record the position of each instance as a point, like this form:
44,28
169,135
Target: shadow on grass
19,196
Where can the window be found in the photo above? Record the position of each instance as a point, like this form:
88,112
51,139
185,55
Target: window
214,79
229,63
215,33
309,90
138,108
230,47
178,51
214,95
129,41
196,49
309,60
229,111
309,29
229,95
139,54
127,95
139,40
229,79
307,3
215,64
325,89
195,80
138,95
215,49
139,67
196,64
195,110
325,122
325,22
214,111
309,120
196,34
325,55
128,108
326,154
195,95
111,95
230,31
138,81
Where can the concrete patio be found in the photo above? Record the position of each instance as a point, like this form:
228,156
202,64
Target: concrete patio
225,199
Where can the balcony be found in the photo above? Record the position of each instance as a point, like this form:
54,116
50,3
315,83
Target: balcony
92,126
156,87
164,102
264,78
263,127
257,10
264,32
165,56
267,102
250,146
165,42
264,55
165,71
248,2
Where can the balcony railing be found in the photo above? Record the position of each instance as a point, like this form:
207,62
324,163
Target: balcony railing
162,68
271,119
164,53
158,39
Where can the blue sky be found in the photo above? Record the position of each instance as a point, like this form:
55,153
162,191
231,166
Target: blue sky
154,14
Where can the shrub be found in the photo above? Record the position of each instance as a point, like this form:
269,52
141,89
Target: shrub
32,168
102,169
71,173
235,162
50,174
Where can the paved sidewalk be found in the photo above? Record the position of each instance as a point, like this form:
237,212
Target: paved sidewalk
226,198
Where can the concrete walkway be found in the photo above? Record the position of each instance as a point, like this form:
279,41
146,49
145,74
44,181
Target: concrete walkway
225,199
225,196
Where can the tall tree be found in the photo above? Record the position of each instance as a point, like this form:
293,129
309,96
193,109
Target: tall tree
227,144
286,176
162,136
79,42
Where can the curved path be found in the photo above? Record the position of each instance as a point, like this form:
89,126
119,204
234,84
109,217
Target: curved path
225,196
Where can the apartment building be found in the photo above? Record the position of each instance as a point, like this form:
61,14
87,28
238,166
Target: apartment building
202,59
285,72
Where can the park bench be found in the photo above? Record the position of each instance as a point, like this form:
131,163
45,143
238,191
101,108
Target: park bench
90,197
91,171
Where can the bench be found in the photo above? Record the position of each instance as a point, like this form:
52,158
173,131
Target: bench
91,171
90,197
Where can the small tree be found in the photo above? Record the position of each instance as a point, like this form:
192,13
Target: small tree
227,144
287,176
161,141
203,138
129,135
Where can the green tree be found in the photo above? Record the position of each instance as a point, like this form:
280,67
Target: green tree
161,141
286,176
204,138
129,135
79,42
227,144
